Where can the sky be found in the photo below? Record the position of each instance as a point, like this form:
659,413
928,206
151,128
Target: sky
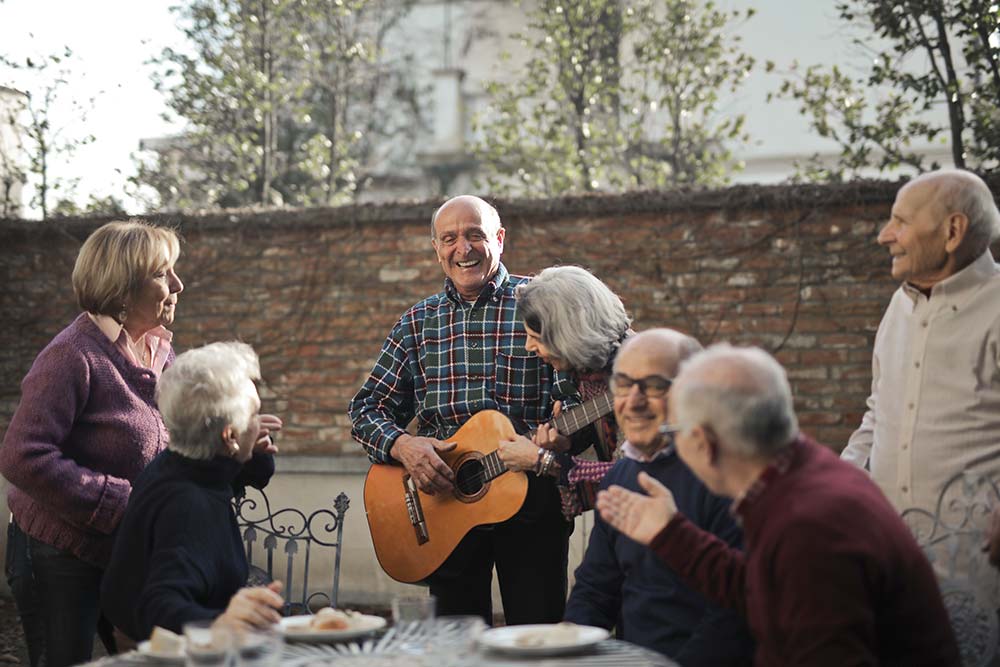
111,41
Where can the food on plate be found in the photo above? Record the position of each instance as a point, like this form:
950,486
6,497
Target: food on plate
166,642
329,619
555,635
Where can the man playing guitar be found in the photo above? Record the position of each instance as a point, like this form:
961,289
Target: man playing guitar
452,355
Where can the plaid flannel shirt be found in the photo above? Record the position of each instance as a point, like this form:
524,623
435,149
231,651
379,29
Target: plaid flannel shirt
446,360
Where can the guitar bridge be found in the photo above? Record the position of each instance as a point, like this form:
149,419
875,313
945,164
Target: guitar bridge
414,509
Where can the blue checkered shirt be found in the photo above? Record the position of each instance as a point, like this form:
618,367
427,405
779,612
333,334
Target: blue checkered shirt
446,360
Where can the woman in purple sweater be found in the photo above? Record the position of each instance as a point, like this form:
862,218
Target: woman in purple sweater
86,426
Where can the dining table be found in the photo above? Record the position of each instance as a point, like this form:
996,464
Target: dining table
397,649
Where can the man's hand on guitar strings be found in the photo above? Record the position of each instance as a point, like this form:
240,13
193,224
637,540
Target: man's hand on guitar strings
421,458
518,454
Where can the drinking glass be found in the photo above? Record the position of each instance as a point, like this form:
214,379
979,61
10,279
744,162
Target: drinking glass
408,609
454,640
259,647
412,617
208,644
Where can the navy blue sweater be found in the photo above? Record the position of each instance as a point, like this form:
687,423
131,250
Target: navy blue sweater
622,583
178,556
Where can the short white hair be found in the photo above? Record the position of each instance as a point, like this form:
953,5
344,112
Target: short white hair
742,395
205,390
961,191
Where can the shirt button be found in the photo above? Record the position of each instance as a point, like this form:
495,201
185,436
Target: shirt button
475,345
904,489
911,406
917,364
905,446
924,324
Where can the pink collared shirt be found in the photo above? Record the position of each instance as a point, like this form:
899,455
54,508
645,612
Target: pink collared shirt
631,451
156,340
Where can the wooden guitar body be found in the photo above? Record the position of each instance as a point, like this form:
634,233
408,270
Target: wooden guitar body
413,532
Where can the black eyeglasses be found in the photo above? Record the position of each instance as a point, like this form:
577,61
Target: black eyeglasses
653,386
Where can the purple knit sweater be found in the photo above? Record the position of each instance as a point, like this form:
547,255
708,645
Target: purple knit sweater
86,426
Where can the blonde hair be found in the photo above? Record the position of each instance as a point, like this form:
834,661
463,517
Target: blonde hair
116,259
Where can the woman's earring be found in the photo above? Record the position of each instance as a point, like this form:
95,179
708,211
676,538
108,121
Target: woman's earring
122,314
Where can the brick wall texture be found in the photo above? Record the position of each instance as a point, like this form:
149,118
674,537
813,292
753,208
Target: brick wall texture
794,269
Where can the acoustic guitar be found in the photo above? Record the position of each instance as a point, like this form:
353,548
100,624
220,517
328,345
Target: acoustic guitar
414,533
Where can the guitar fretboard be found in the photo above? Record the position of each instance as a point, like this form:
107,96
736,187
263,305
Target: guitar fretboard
493,467
572,420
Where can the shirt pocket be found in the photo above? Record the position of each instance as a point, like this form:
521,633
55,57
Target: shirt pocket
518,379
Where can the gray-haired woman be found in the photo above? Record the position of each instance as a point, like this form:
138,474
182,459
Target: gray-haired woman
575,323
178,555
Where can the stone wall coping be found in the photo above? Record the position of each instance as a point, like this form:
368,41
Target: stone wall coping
736,197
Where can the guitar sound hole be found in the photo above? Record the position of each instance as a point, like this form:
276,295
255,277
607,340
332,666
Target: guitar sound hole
469,478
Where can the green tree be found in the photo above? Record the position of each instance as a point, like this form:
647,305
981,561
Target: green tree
47,140
937,54
283,99
616,94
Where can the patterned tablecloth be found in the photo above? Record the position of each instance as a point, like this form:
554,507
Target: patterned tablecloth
386,653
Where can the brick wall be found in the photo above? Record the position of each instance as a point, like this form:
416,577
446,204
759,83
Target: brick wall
792,268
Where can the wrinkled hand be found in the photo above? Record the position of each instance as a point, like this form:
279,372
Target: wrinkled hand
992,544
257,607
518,454
267,434
421,458
548,437
636,515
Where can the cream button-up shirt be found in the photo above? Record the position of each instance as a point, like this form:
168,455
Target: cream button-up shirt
934,408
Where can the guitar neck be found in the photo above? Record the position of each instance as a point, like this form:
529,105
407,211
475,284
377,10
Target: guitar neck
568,422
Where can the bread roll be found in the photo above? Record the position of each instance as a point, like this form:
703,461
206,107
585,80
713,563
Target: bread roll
166,642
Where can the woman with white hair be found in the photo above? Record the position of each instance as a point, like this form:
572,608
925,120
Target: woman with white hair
575,323
178,555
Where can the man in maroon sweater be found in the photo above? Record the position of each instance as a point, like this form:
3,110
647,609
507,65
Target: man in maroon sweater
831,576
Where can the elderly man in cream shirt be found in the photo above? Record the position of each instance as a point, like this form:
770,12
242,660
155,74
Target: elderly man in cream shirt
934,408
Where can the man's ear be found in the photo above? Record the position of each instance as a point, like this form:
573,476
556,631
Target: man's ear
706,443
956,226
501,234
712,444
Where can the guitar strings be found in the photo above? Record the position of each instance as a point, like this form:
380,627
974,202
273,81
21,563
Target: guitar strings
469,485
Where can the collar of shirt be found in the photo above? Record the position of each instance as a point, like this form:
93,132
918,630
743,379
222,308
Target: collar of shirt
494,286
630,451
779,466
959,288
157,340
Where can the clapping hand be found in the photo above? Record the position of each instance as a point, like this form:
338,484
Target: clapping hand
637,515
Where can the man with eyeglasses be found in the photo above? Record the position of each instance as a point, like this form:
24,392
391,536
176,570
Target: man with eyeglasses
620,584
831,575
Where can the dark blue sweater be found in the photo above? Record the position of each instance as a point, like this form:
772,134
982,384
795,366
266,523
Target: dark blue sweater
622,583
178,556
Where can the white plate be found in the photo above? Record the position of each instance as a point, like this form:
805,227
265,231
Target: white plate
507,639
177,658
295,632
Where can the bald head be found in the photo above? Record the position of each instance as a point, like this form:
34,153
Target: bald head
742,394
956,191
468,205
664,349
